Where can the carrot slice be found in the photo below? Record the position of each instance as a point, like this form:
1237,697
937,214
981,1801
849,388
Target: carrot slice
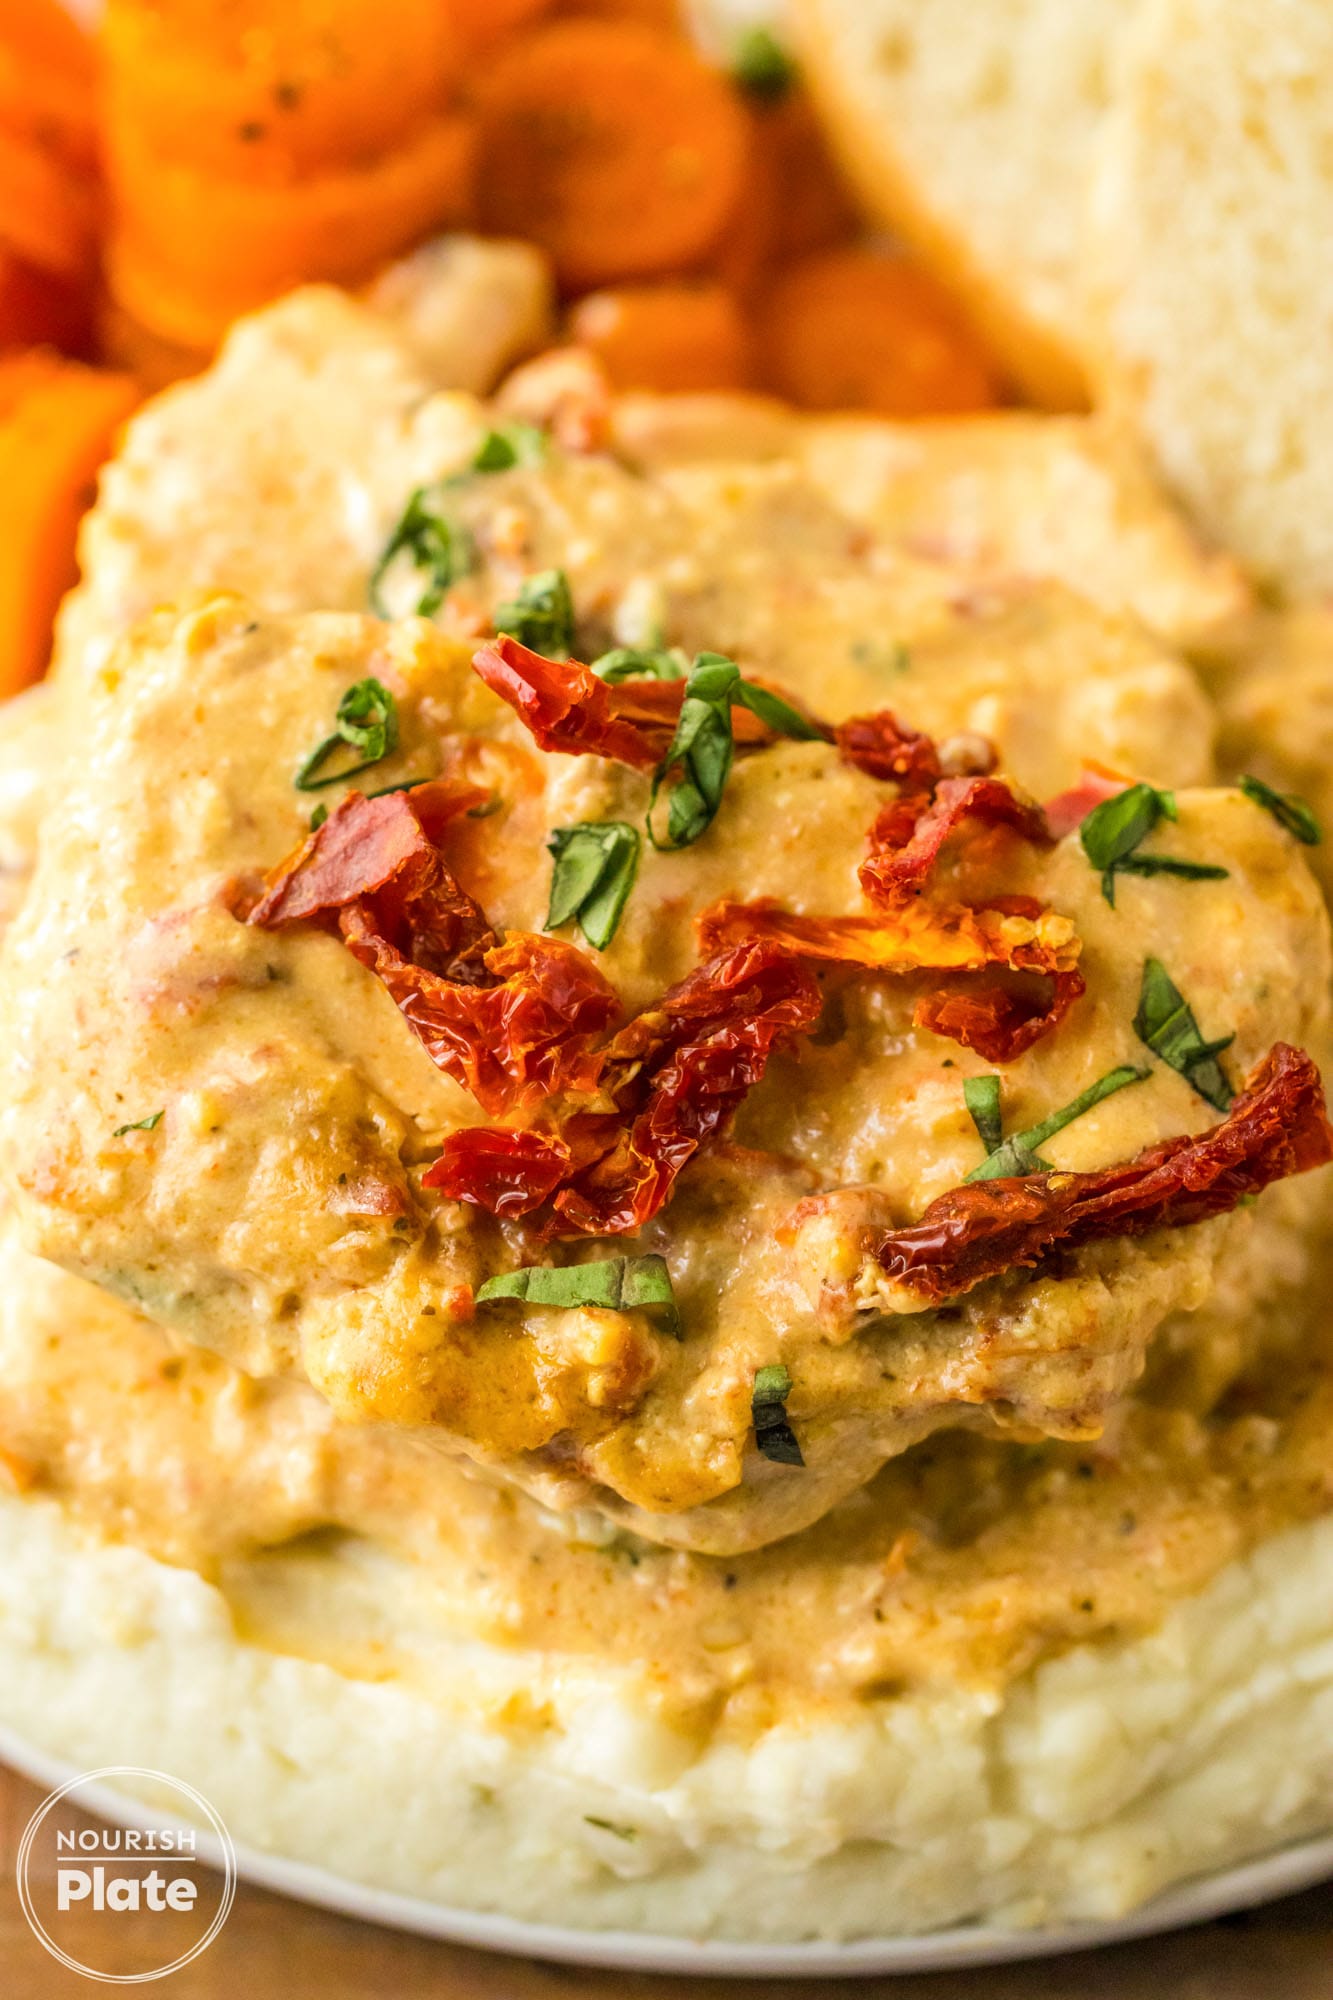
615,148
815,208
861,329
681,336
661,14
52,112
57,423
217,248
23,372
275,89
46,213
155,363
479,24
38,308
48,37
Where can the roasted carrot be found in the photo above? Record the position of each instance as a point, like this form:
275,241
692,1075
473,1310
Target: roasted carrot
46,101
190,251
57,424
814,208
45,34
46,213
795,201
863,329
617,149
479,24
666,336
272,90
39,308
130,347
661,14
23,372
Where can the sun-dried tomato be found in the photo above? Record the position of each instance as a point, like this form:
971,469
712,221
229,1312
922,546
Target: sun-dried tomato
999,1019
525,1034
920,937
365,846
513,1021
672,1077
883,747
1276,1127
1001,1022
679,1072
907,839
567,708
506,1173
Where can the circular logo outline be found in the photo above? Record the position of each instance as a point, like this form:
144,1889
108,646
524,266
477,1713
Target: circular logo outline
112,1771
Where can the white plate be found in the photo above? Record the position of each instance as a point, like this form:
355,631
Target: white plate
1277,1874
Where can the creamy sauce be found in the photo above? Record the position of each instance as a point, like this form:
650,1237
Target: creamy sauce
285,1076
284,1073
963,1562
1040,1489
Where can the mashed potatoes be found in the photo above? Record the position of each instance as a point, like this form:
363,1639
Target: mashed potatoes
549,1791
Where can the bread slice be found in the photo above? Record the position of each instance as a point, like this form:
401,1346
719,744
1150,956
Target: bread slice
1212,280
970,131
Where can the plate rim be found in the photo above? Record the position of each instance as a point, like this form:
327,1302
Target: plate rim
1287,1869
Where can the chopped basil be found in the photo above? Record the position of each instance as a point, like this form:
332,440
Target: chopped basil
1166,1025
761,66
542,615
620,1284
981,1095
1019,1155
768,1410
641,663
1289,810
701,750
594,871
141,1125
318,817
1167,864
435,547
367,721
1113,831
611,1826
509,445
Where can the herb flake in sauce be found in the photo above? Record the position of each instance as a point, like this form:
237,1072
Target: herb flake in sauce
541,616
773,1434
1288,809
149,1124
1166,1025
435,546
508,445
595,866
981,1095
1113,831
617,1284
1020,1155
366,721
702,749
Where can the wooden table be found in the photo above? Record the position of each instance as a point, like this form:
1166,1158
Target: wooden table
276,1950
